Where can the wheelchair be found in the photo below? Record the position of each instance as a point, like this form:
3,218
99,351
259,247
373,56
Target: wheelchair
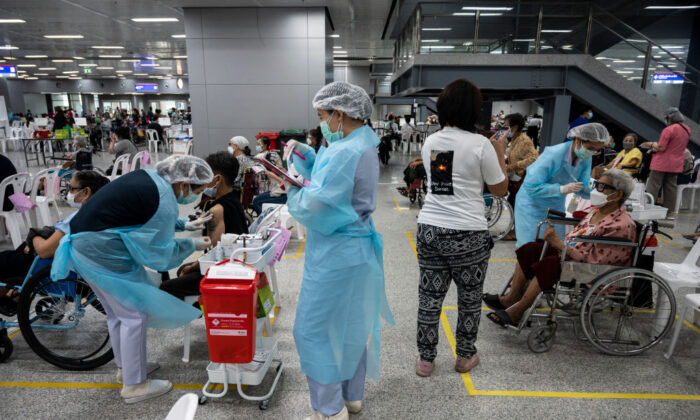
622,311
62,321
499,215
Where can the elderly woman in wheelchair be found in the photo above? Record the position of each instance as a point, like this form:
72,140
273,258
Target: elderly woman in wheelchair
608,219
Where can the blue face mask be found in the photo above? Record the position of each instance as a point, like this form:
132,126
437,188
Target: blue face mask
330,136
510,135
590,115
258,149
188,199
584,153
211,191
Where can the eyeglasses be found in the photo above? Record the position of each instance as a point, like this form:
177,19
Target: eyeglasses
601,186
71,189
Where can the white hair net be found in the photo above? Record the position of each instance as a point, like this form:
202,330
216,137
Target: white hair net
590,132
185,168
674,115
346,97
239,141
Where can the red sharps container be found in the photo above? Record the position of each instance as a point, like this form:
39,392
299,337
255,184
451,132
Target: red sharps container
229,300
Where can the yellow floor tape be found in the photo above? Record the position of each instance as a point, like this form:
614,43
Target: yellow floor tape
299,252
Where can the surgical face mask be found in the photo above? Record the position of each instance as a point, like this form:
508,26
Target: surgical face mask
258,149
628,145
510,135
330,136
230,149
308,140
584,153
589,116
211,191
70,198
599,199
187,199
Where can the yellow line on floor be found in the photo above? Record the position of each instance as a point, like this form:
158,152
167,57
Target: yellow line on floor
14,334
401,209
299,252
671,243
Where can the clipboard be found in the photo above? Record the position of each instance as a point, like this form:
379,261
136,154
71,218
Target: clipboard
279,172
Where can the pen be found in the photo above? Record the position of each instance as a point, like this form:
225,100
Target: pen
294,151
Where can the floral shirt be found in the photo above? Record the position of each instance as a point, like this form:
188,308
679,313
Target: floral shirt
522,152
617,224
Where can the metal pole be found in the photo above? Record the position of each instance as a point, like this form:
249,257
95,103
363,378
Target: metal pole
539,30
476,32
589,28
647,60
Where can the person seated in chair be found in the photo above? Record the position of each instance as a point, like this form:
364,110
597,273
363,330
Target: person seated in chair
414,170
608,219
226,215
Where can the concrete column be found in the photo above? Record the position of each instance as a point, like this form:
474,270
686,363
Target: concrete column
690,95
253,70
555,122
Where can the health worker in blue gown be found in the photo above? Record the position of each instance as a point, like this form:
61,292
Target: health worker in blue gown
342,296
560,170
128,225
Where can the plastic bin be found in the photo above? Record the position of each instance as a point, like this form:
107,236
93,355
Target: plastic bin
229,299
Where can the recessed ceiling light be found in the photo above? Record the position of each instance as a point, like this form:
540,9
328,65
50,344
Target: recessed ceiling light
672,47
79,58
335,36
88,65
9,58
556,31
31,78
64,36
340,56
163,67
124,71
62,61
179,56
155,19
110,56
130,60
337,47
47,68
26,65
140,74
524,40
36,56
623,71
624,61
474,14
71,72
151,57
488,8
75,78
436,29
8,47
21,71
61,77
149,65
429,40
438,47
105,68
671,7
340,52
178,36
41,74
107,47
13,21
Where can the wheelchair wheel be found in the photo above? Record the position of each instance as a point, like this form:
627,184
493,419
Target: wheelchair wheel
541,339
63,322
628,311
499,216
5,346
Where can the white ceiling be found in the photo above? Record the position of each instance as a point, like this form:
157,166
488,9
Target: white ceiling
105,22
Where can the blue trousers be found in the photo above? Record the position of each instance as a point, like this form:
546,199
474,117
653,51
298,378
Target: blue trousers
266,197
329,399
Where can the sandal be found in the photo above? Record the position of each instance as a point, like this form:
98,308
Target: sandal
501,318
493,302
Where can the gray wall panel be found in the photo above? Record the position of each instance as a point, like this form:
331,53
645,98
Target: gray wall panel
222,22
317,23
193,24
316,59
283,23
195,60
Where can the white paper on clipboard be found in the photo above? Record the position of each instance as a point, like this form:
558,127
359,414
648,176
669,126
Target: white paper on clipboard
279,172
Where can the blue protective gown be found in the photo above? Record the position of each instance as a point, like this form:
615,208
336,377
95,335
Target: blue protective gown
342,294
540,189
114,260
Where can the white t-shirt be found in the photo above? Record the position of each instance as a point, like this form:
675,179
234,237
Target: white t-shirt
458,163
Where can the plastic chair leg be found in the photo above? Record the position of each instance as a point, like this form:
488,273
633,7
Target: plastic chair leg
186,344
676,332
12,221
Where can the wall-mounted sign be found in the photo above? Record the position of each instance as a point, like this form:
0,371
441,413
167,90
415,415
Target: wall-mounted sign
146,87
8,71
667,77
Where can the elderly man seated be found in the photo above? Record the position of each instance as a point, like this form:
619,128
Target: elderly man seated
608,219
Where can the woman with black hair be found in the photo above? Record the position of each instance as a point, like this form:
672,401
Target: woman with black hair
315,138
453,238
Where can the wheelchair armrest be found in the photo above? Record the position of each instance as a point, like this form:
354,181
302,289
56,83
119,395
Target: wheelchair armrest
605,240
559,218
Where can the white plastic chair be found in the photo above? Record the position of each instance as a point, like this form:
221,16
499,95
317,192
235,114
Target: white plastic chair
190,300
16,137
44,202
692,303
13,219
153,140
123,162
286,219
137,162
692,187
185,408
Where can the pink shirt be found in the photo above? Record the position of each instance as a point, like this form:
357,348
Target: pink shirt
675,138
617,224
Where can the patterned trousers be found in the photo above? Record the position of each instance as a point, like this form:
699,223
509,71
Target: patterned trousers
445,255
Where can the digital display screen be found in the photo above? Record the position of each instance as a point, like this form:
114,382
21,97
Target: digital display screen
146,87
667,77
8,71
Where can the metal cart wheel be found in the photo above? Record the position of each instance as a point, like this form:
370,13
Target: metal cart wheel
264,404
541,339
499,215
628,311
6,346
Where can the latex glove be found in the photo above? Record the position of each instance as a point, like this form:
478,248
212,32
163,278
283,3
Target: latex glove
198,224
571,188
200,244
301,148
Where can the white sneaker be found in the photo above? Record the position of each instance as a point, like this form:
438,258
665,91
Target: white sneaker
354,407
146,390
150,368
342,415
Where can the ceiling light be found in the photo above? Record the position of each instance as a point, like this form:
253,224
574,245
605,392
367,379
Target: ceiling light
623,72
8,47
31,78
487,8
130,60
672,47
671,7
71,72
602,58
75,78
64,36
624,61
184,56
140,74
524,40
105,68
62,61
657,56
340,52
36,56
88,65
335,36
124,71
634,68
429,40
149,65
107,47
436,47
474,14
167,19
21,71
61,77
41,74
178,36
556,31
13,21
110,56
636,40
567,47
26,65
151,57
79,58
163,67
436,29
340,56
337,47
47,68
641,56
